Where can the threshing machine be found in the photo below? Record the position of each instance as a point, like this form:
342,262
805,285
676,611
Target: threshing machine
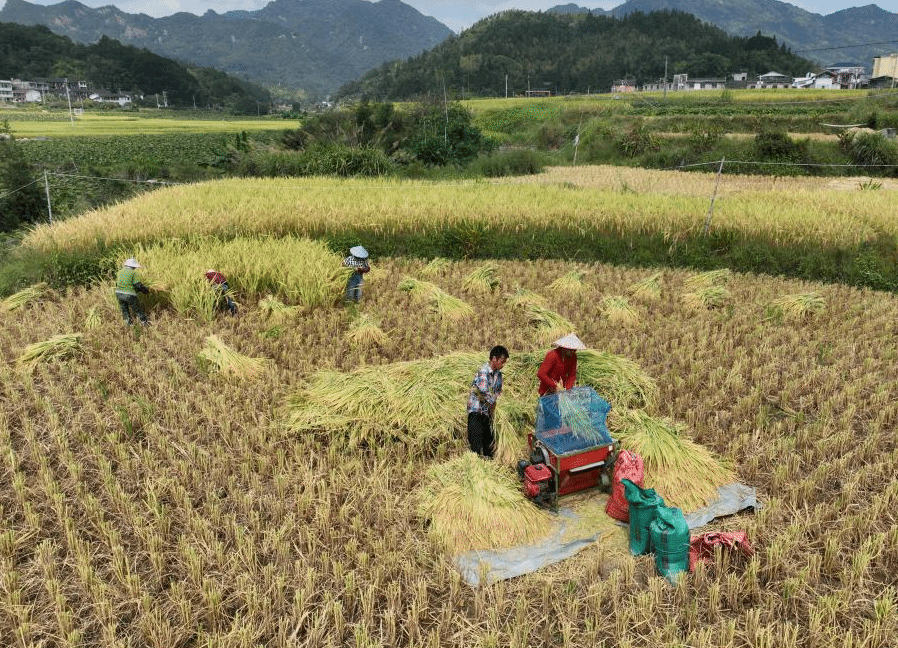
570,449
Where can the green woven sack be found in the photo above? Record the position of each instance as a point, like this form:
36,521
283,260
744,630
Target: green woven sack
643,503
669,536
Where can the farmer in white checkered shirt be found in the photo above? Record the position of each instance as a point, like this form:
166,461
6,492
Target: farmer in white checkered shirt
357,259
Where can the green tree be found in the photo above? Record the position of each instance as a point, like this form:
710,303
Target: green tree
21,200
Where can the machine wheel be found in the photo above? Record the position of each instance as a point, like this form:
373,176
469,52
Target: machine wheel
605,480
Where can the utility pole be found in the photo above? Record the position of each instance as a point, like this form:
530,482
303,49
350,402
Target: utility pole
69,99
506,86
47,191
665,77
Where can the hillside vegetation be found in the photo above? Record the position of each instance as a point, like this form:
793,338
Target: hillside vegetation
579,53
30,53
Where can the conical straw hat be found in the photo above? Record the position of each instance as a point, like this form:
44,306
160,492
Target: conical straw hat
570,341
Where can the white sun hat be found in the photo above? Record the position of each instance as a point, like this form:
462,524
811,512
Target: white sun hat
132,263
570,341
359,251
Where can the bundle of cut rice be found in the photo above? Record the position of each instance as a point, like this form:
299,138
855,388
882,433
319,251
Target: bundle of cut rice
798,306
684,473
57,347
436,266
24,297
618,380
442,303
482,280
618,311
228,362
550,323
510,422
570,284
472,503
707,297
522,297
365,332
92,320
271,306
417,402
709,278
649,289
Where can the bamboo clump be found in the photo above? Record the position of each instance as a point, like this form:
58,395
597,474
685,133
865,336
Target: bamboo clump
229,362
472,503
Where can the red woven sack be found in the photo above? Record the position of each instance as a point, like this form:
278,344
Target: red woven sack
627,466
701,547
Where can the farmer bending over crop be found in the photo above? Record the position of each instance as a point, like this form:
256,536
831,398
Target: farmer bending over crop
358,260
558,370
220,284
126,289
485,391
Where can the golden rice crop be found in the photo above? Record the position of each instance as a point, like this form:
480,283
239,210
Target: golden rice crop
523,297
683,472
484,279
648,289
511,420
798,306
92,320
57,347
271,306
442,303
619,380
436,266
229,362
550,323
707,297
474,503
415,401
709,278
302,271
569,284
619,311
364,331
24,297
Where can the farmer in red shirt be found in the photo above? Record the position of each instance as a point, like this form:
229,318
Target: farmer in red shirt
220,284
558,370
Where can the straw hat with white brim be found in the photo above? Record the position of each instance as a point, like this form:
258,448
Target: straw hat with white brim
132,263
570,341
359,251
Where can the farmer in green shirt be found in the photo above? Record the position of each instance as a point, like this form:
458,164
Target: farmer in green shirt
126,289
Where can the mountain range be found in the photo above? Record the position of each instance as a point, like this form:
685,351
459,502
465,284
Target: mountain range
849,36
310,48
313,46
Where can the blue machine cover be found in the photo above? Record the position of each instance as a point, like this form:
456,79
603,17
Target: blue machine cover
572,420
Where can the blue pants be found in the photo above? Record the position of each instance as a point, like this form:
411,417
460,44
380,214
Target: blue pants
126,304
354,287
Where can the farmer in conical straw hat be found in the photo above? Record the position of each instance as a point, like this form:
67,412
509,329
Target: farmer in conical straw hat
126,289
358,260
558,370
485,391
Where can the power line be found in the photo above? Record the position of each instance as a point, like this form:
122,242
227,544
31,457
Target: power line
827,49
9,193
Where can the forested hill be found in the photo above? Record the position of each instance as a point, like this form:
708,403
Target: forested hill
35,52
574,53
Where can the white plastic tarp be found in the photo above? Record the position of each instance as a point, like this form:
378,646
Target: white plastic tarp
493,565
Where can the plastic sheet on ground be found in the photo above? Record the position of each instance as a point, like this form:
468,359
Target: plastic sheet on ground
579,525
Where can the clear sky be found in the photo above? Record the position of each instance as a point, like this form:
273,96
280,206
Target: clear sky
455,14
